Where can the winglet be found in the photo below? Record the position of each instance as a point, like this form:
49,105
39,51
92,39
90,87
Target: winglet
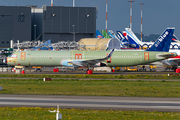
110,54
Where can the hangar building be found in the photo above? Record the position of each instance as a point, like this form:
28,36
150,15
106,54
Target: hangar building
57,23
15,24
68,23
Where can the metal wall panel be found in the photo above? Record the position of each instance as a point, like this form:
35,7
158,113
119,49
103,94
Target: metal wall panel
82,20
91,24
65,20
74,15
48,21
56,19
6,26
68,20
15,25
54,37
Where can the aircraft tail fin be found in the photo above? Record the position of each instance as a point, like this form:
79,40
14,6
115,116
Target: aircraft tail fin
98,34
121,37
112,34
163,42
132,38
104,33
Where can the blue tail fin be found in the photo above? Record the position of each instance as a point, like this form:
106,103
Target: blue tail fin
163,42
98,34
121,36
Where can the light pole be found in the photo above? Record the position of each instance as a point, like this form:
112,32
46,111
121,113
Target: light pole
141,19
35,32
131,14
106,15
73,33
73,3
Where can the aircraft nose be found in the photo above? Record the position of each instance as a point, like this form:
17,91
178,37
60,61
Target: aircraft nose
5,60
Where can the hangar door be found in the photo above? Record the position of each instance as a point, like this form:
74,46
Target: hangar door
6,30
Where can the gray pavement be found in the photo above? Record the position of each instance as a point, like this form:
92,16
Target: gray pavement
92,102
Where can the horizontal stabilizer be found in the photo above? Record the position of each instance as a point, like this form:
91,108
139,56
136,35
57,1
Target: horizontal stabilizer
168,55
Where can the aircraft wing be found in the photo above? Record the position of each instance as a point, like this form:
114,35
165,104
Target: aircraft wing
90,61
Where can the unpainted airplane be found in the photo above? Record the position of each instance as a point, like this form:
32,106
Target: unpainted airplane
173,61
92,59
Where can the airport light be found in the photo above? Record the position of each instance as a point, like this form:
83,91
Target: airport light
131,14
141,19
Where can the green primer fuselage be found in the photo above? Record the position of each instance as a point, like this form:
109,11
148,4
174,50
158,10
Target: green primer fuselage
61,58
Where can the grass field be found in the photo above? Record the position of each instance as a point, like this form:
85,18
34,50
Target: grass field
30,113
129,76
91,87
75,86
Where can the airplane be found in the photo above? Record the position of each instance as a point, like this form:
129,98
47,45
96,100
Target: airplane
168,62
91,59
134,41
174,61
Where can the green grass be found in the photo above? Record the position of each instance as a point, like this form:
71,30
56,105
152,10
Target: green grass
129,76
37,113
91,87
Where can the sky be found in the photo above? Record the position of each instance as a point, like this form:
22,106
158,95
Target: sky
157,14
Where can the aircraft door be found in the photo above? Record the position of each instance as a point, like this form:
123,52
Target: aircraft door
24,59
108,60
23,56
146,56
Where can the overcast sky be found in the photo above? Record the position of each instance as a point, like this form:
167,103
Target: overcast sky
157,14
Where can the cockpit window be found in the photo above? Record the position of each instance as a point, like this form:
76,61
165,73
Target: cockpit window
13,56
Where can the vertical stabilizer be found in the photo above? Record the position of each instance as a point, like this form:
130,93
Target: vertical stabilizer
112,34
98,34
104,33
121,37
163,42
132,38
